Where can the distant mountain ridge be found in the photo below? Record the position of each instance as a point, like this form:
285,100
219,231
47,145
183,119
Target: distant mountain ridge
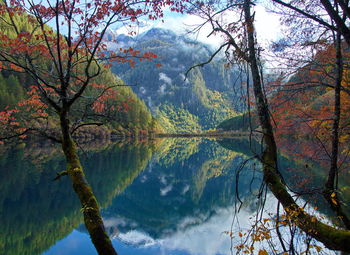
199,102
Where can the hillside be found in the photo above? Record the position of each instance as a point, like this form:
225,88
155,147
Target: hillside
132,117
199,102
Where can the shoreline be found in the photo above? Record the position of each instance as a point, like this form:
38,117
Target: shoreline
209,134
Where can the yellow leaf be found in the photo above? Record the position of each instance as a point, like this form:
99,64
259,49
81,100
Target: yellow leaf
333,194
334,201
266,220
267,236
318,248
283,222
263,252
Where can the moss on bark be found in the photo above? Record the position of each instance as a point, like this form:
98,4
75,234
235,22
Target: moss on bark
331,237
90,208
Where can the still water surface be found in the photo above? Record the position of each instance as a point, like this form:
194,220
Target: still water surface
175,196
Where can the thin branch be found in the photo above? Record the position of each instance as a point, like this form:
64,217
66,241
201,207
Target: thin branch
86,124
314,18
208,61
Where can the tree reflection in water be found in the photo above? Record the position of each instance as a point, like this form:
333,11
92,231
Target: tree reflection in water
178,196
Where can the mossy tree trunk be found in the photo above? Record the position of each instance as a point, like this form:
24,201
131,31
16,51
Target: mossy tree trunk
90,208
331,237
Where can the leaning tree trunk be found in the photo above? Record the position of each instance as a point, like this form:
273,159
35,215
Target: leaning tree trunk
331,192
92,217
331,237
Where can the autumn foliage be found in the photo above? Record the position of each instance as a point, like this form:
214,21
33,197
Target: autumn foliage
60,46
303,108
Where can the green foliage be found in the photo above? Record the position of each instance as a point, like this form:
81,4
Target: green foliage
21,22
36,212
131,114
240,123
173,150
201,175
207,94
11,91
177,120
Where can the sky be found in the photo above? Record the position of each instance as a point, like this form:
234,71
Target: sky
195,237
267,25
268,28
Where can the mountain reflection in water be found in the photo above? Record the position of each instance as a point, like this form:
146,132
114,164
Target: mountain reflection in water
174,196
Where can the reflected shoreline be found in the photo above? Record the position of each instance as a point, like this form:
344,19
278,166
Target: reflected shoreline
161,188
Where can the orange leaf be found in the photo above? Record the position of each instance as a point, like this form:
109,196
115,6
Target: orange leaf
263,252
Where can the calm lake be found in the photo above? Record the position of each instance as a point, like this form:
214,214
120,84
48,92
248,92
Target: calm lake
174,196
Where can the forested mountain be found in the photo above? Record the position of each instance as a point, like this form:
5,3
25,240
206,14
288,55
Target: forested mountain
10,90
131,115
56,82
207,97
197,182
202,101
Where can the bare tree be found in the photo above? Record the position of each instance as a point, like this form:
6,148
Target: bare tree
63,64
240,44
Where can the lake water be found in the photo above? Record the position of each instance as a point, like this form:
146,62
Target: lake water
174,196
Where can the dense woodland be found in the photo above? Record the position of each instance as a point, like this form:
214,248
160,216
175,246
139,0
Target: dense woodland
131,117
181,104
59,81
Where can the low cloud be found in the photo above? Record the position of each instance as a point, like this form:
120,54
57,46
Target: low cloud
163,77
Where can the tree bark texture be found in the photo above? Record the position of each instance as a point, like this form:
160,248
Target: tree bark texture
91,211
332,238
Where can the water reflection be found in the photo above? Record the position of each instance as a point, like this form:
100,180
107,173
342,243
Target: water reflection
191,185
175,196
36,212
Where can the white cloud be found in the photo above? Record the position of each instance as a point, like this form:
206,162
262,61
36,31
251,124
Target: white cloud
205,239
267,25
194,235
150,102
163,180
185,189
185,23
204,234
165,78
143,90
162,89
166,190
138,238
133,28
